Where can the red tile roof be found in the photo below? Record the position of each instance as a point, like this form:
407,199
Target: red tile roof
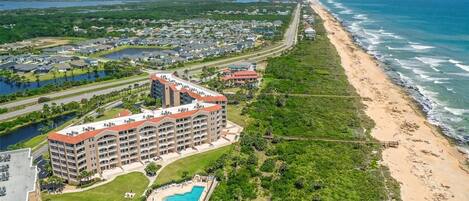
124,113
246,74
189,92
89,134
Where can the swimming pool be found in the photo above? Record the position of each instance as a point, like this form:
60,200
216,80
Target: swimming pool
194,195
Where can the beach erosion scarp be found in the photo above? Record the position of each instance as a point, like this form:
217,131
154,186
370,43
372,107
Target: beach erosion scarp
425,163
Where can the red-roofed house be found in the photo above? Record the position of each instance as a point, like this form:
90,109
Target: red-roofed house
241,78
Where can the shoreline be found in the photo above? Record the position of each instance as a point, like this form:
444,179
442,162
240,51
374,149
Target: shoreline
426,164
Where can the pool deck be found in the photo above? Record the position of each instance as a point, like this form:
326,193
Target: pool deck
173,189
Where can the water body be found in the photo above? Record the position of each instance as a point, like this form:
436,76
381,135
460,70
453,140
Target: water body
9,88
30,131
424,45
194,195
11,5
129,52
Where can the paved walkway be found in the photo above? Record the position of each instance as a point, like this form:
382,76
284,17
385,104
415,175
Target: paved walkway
232,135
311,95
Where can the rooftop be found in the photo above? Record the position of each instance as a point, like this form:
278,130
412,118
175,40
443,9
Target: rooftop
145,115
20,172
246,74
186,86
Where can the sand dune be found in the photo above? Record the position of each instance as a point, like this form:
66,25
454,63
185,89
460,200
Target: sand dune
425,164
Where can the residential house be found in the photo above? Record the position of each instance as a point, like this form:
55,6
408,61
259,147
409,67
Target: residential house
241,78
79,64
25,68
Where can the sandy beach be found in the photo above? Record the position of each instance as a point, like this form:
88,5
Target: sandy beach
425,164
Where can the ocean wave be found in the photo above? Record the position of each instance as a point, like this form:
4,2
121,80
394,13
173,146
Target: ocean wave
457,111
440,82
464,67
406,62
373,38
459,74
339,5
399,48
421,47
360,17
433,62
421,79
391,35
450,89
454,61
346,12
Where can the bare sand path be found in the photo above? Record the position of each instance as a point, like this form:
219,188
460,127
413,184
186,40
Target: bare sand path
425,164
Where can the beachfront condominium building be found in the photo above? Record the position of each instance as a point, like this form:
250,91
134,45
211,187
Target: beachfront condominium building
99,146
175,91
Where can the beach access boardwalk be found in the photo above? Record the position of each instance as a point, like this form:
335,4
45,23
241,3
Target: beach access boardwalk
385,144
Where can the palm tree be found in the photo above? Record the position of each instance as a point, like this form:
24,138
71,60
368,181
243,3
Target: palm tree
55,182
84,175
100,111
95,69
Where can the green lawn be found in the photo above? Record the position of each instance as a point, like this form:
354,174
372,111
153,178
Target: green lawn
192,164
109,114
113,191
234,114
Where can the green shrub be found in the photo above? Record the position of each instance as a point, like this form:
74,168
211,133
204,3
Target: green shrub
268,165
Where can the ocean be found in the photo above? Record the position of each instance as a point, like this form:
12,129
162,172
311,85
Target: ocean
424,47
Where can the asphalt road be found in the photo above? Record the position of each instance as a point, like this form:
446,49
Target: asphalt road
39,106
66,92
290,39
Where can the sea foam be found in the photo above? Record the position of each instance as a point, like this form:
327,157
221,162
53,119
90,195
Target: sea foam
464,67
433,62
421,47
456,111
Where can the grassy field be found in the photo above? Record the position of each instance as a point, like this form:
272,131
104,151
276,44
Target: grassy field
109,114
192,164
306,170
113,191
234,114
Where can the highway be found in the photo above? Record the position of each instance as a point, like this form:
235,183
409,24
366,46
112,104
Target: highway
77,98
289,40
68,92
